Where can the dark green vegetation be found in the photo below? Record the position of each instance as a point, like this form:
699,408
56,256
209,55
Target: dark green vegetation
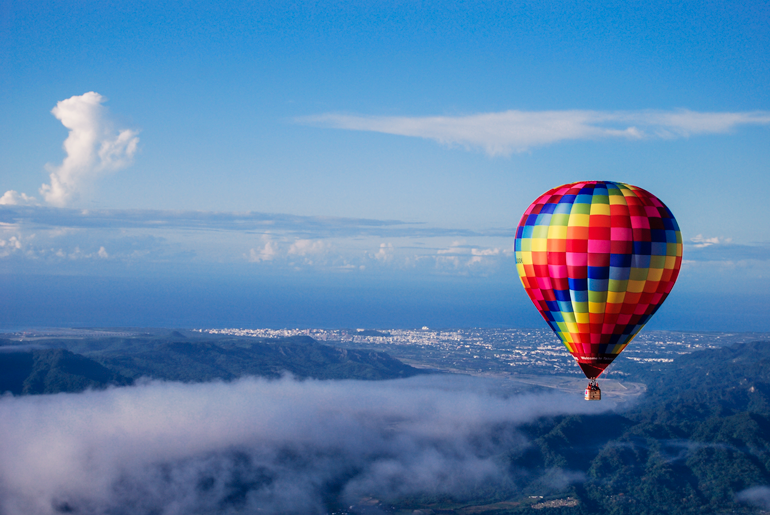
700,436
75,364
52,371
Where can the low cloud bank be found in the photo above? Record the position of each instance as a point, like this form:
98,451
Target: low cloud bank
281,446
45,237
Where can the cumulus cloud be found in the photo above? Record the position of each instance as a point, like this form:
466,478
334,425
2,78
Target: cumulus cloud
45,247
269,240
385,253
457,247
512,131
700,241
266,253
485,252
9,246
255,445
479,255
94,146
14,198
307,247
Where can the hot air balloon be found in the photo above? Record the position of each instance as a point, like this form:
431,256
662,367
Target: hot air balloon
597,258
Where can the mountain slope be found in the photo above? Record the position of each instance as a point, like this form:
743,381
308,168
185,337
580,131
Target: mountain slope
207,360
175,357
52,371
699,438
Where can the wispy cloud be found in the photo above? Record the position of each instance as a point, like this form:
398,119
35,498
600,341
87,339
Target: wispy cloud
263,446
303,227
758,496
720,249
512,131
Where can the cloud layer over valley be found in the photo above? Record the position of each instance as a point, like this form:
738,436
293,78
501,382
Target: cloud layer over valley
284,446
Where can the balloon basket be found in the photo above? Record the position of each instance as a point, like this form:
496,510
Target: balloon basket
593,393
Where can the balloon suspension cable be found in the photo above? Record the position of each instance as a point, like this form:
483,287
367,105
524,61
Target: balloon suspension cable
592,383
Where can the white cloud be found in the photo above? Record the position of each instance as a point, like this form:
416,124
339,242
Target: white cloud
452,255
93,147
9,246
758,496
512,131
307,247
385,253
479,255
700,241
457,247
37,247
485,252
14,198
442,262
266,253
274,446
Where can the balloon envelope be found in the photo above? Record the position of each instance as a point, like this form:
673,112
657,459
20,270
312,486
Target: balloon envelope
597,258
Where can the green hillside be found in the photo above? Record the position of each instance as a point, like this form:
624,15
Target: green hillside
52,371
700,436
228,359
75,364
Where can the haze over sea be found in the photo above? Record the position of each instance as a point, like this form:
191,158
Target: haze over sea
319,301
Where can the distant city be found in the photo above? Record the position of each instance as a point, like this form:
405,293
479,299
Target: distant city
495,351
478,351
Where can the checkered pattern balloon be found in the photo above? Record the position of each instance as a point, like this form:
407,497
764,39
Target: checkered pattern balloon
597,258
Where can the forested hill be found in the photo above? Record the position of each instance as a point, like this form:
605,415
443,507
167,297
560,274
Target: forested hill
52,371
700,437
229,359
75,364
727,379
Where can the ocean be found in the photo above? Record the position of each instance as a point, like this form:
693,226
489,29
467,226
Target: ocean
322,301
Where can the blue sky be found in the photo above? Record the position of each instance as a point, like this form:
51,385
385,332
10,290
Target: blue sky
374,142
